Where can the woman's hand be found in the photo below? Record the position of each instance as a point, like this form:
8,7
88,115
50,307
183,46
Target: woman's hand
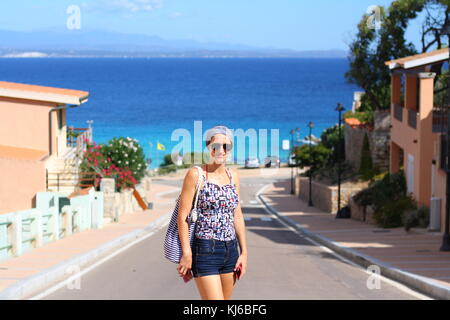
185,264
242,262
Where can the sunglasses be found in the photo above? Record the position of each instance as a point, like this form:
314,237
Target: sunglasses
225,146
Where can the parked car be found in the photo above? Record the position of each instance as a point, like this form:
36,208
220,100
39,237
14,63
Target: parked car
272,161
252,163
291,160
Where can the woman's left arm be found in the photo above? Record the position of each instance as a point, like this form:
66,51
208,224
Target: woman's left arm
239,225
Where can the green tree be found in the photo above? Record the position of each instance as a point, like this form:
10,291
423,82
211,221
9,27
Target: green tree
371,47
366,166
330,139
316,157
167,160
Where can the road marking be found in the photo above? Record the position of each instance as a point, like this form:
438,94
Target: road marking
95,265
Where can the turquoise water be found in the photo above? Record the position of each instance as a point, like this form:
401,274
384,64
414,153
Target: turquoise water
148,99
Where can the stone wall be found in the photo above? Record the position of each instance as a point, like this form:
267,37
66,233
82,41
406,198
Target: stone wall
379,137
119,203
325,197
360,213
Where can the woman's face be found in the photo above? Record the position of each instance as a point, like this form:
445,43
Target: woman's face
219,155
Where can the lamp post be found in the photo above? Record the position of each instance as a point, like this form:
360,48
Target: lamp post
296,164
446,238
310,126
297,130
292,167
339,109
90,133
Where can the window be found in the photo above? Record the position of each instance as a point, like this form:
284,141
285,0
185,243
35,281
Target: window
60,120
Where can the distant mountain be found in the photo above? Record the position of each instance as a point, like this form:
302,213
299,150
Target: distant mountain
105,43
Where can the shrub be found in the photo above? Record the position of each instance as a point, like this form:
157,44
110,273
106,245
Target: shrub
167,160
389,198
92,163
124,177
366,169
122,159
330,139
391,214
127,154
417,218
315,158
330,173
365,117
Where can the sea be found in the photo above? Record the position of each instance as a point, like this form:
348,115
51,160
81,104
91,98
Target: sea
173,101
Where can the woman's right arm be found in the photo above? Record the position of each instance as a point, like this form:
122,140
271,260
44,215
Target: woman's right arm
186,200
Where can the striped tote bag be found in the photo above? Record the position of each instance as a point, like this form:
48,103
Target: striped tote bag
172,244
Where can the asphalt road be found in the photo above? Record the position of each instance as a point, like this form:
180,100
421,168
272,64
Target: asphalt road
282,265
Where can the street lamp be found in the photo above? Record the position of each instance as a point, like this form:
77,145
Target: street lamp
297,130
296,164
339,108
90,135
446,238
310,126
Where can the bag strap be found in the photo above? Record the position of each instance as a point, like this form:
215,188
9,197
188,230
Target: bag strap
229,175
200,173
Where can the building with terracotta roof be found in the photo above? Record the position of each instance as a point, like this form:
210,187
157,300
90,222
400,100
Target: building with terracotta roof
416,129
33,140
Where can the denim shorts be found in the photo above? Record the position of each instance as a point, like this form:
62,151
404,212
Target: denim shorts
210,257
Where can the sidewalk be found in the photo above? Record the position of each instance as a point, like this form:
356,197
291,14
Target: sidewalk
412,258
23,276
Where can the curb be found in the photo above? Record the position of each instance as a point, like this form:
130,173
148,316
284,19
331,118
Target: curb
422,284
31,285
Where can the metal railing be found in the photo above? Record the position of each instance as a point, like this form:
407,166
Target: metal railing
73,134
82,141
440,119
71,179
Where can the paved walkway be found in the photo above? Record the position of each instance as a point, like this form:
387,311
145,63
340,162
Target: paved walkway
53,254
415,252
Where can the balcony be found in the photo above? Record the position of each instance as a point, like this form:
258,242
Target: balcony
440,120
79,138
398,112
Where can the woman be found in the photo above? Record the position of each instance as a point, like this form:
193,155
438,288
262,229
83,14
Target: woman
214,258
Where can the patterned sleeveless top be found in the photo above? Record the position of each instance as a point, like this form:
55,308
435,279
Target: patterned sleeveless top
216,205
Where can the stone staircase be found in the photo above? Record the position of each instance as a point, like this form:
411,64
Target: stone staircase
63,173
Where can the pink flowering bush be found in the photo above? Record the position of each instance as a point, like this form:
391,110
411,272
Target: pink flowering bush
96,165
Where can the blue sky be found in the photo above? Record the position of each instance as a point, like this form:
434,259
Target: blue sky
293,24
